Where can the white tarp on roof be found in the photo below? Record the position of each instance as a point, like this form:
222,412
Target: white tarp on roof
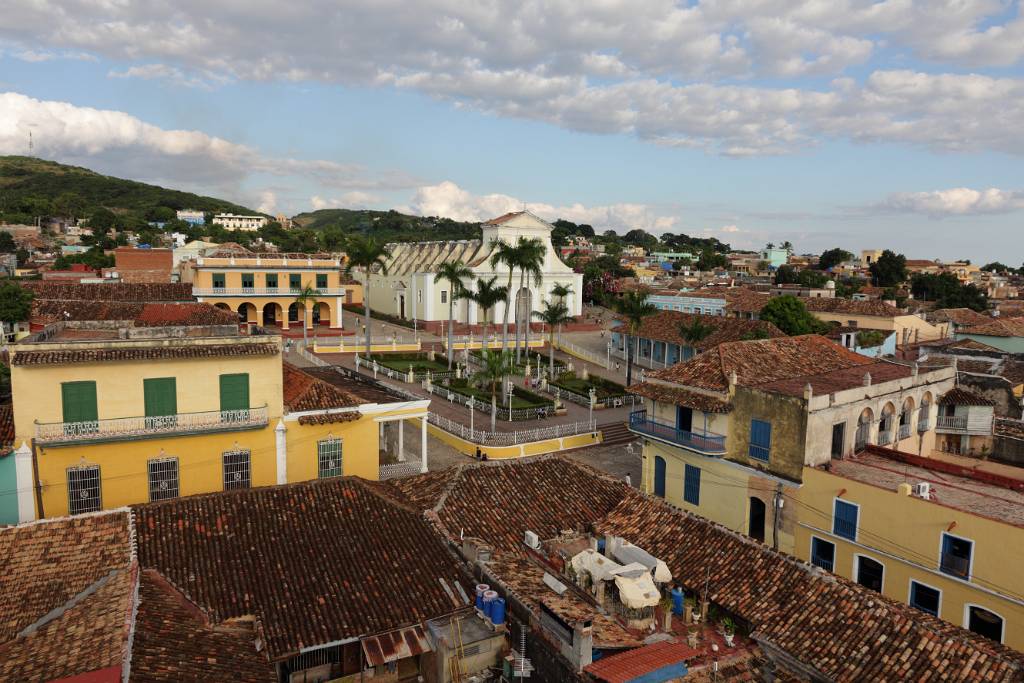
638,592
627,553
597,565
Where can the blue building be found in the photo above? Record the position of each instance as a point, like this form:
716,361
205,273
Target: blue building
192,217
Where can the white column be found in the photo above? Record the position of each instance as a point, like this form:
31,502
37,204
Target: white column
338,300
282,452
24,484
423,443
401,441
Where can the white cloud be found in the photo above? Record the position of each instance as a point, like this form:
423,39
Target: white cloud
167,73
35,56
268,202
349,200
729,228
449,200
682,74
121,144
958,201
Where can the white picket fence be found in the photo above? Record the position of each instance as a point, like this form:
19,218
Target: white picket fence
582,353
399,469
513,438
609,402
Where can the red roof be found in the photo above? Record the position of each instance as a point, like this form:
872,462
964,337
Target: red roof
632,664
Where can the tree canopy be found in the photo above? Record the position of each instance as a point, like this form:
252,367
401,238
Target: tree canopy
947,291
790,315
15,302
833,257
889,270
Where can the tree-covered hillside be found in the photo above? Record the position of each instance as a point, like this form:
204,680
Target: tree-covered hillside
389,226
31,188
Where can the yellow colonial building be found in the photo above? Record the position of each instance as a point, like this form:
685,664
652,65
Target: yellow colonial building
106,417
946,539
262,289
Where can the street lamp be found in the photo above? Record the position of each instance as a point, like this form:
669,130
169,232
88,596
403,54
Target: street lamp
608,355
593,395
471,402
510,389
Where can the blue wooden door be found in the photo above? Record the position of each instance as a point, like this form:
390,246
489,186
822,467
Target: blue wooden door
659,476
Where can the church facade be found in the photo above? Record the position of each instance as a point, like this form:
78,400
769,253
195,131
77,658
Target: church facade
411,289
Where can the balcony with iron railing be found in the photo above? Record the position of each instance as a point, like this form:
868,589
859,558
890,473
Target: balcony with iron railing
264,291
884,437
905,431
150,427
706,443
951,423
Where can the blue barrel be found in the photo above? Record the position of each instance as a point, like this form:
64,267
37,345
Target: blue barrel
481,588
498,611
677,601
489,598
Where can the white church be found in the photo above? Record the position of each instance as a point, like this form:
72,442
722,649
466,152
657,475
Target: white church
412,291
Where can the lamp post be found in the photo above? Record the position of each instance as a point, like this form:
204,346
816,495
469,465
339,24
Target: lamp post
608,355
471,402
510,389
593,395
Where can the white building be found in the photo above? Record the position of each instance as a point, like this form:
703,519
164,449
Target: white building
191,216
411,290
231,221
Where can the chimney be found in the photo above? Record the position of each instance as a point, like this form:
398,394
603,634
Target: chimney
583,644
867,379
733,378
808,392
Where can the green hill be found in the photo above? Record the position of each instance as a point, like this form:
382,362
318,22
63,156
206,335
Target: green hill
389,226
32,187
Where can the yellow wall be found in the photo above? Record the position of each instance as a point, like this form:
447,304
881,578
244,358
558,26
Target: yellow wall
904,534
918,329
360,455
233,277
123,465
119,386
517,451
725,490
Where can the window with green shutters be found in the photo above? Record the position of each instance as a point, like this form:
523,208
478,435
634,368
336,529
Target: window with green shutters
234,397
295,281
321,280
248,280
271,280
78,403
160,395
218,280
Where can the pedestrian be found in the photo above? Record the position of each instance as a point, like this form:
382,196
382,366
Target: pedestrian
629,480
485,457
616,366
478,453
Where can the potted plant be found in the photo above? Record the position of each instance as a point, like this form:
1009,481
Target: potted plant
729,629
691,635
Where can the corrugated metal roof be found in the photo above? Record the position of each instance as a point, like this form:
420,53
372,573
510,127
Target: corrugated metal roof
394,645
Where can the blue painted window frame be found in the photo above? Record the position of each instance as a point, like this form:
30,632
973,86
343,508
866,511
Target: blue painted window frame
691,485
760,440
845,516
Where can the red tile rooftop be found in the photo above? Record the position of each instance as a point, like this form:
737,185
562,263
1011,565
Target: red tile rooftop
977,492
634,664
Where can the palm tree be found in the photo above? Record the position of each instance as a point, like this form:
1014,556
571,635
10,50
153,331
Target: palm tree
365,253
562,291
454,272
487,296
494,368
696,331
306,297
634,307
505,254
554,314
531,258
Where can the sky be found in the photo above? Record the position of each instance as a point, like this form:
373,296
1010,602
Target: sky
854,123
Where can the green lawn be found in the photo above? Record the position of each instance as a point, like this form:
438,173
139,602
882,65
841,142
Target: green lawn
403,361
521,398
604,388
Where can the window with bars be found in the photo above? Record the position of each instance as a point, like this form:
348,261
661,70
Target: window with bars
163,478
691,485
823,553
237,470
844,520
328,453
760,440
84,489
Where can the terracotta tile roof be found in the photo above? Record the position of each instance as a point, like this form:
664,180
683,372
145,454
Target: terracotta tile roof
627,666
998,327
547,497
142,314
680,397
959,316
971,345
6,428
843,630
69,356
837,305
762,361
302,392
504,218
665,326
840,379
315,562
112,291
737,299
66,597
1013,429
1013,371
363,389
961,397
175,642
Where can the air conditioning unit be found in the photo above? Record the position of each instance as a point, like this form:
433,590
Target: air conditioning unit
532,540
923,490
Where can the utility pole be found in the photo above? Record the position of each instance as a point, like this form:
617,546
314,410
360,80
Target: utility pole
776,511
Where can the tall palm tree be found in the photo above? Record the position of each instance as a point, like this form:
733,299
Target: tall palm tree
494,368
554,314
365,253
562,291
307,297
531,259
487,296
634,307
507,255
454,272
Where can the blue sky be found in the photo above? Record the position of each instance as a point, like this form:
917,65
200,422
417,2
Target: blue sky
842,123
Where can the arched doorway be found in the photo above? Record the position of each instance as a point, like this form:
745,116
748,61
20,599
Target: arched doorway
659,476
863,437
272,314
924,415
886,425
906,413
756,519
246,313
222,306
322,313
296,313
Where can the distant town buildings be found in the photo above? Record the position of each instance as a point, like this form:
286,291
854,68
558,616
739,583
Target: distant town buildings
230,221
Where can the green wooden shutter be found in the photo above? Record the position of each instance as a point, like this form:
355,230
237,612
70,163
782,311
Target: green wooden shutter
78,401
161,396
234,392
249,280
271,280
295,281
321,281
218,280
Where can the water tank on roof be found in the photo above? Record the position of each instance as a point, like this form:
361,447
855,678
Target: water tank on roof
481,588
489,598
498,611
